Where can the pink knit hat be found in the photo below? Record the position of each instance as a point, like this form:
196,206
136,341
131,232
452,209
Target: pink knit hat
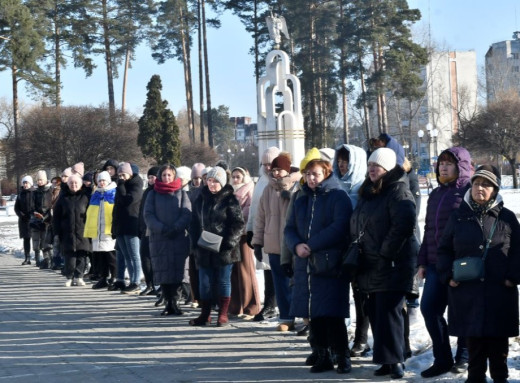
79,169
270,154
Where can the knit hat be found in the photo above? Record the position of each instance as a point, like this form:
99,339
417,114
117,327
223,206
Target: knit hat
28,179
153,171
104,176
135,169
196,170
184,173
312,154
41,175
74,177
67,172
89,176
488,172
283,161
327,154
270,154
206,171
125,167
384,157
79,169
218,174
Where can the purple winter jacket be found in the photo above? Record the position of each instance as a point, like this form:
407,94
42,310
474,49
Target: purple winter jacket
443,200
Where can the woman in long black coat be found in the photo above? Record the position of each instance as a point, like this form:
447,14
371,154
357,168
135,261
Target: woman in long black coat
385,213
167,213
316,227
68,222
23,208
218,211
485,310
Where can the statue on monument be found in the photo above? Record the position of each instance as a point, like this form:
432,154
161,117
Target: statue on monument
277,26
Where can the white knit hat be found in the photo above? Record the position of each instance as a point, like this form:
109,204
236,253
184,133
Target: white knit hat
218,174
184,173
384,157
42,175
104,176
28,179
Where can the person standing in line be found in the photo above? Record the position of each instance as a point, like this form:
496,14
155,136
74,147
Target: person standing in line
23,207
484,310
245,296
269,308
98,227
68,222
111,167
125,228
167,213
144,236
385,214
268,230
315,228
216,210
453,173
40,220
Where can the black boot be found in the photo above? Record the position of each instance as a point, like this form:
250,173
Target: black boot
205,314
37,258
160,301
324,361
396,370
168,310
312,358
343,359
27,259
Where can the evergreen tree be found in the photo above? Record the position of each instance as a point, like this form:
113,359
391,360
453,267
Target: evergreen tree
158,135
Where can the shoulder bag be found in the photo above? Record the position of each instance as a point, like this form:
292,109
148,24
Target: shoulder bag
208,240
472,268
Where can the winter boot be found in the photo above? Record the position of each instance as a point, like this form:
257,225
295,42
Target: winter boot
312,358
204,318
223,306
27,259
37,258
324,361
344,363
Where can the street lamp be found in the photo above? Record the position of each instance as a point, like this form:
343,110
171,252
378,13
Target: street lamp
431,134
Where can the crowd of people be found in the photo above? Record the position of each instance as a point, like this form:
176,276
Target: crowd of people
200,234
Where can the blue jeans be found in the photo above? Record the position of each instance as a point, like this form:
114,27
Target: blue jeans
433,305
282,289
127,247
220,278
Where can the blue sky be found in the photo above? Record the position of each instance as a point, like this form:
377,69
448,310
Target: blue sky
455,25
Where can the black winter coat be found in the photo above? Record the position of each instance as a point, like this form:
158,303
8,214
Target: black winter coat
142,222
42,198
68,222
482,308
23,208
222,215
389,245
168,217
125,217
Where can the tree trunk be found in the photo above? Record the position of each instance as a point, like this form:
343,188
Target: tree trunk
201,72
512,162
16,116
108,63
125,78
344,100
206,71
57,58
187,74
364,96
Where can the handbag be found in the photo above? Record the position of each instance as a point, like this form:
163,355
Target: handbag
208,240
352,256
325,263
472,268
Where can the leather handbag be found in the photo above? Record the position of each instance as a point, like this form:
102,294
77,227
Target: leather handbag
472,268
351,259
325,263
208,240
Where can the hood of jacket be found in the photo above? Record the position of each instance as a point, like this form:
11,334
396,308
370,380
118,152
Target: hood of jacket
463,164
357,166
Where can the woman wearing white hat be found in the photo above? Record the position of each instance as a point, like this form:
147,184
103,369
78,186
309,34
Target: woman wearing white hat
23,208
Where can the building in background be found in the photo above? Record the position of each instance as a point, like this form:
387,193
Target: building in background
503,67
245,131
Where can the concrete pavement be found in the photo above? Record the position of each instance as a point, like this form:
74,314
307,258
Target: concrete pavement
50,333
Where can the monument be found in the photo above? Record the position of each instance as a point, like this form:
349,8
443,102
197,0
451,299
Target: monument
282,128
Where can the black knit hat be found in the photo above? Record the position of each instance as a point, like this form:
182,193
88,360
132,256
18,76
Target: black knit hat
153,171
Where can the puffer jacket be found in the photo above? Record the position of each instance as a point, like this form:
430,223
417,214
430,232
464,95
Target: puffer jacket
320,218
222,215
272,212
389,246
125,219
443,200
23,207
70,214
357,169
485,308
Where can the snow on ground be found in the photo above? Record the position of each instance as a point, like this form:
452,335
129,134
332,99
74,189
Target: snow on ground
419,338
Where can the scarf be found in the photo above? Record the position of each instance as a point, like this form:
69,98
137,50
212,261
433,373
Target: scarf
166,188
481,210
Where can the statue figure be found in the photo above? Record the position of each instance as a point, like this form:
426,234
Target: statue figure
277,26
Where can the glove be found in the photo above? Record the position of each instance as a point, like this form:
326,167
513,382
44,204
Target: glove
249,238
258,252
288,270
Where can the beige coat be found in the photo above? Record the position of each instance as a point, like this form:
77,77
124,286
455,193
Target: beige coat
272,211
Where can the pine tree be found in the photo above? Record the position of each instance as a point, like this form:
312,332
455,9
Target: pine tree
158,135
